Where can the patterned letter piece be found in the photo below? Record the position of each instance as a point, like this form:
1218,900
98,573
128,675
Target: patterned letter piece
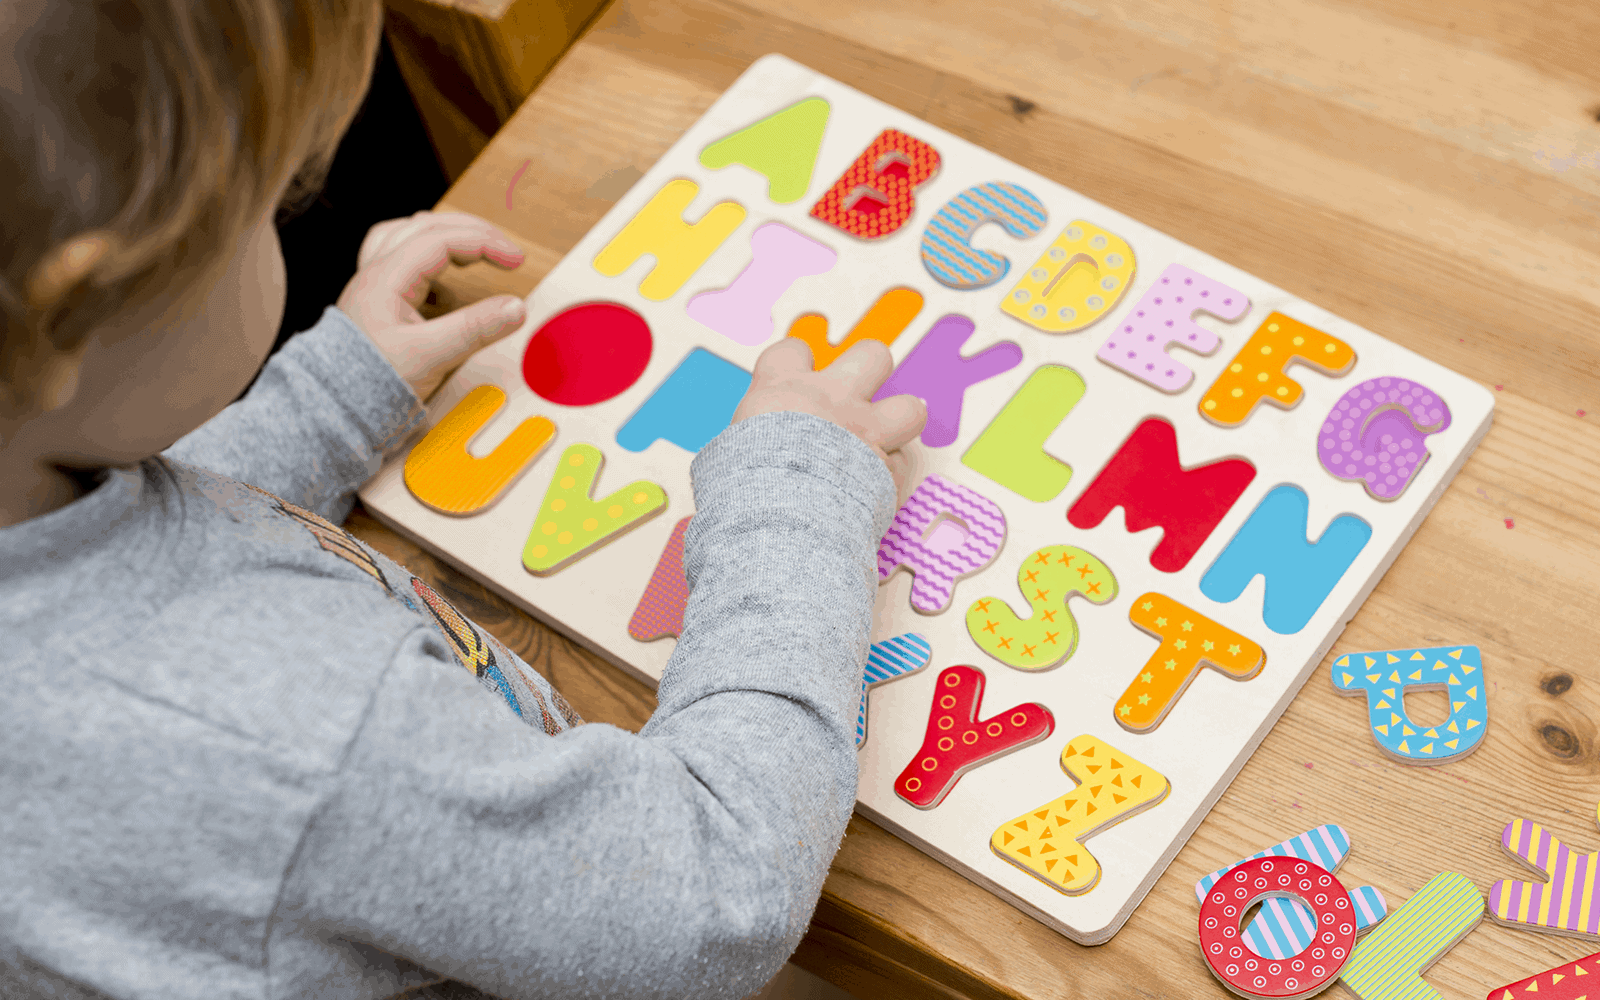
1374,434
1146,481
1285,928
1188,642
936,373
1384,677
1563,905
938,566
779,257
1078,279
1110,786
570,524
693,405
958,741
884,322
1264,880
1048,578
1258,371
887,661
442,474
1165,316
876,195
678,247
947,250
1300,573
660,610
781,147
1388,963
1564,982
1011,452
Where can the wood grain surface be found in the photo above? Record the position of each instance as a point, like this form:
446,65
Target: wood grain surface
1427,169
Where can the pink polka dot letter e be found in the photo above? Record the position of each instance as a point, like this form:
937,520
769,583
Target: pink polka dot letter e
958,741
1303,975
1165,316
967,530
1374,434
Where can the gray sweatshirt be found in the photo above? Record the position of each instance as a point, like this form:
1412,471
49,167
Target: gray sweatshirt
243,755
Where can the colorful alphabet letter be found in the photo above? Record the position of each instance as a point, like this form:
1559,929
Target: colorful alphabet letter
1188,642
909,542
1078,279
587,354
958,741
1165,316
1300,574
947,250
693,405
890,660
742,312
442,474
1564,982
1374,434
1011,452
1388,963
936,373
1385,676
884,322
661,607
1564,904
679,247
1146,481
1048,637
1264,880
1109,787
781,147
1258,371
877,193
571,523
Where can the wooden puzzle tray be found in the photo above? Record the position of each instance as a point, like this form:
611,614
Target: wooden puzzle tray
1273,457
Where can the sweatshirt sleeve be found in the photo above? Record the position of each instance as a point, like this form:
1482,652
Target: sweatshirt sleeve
684,860
317,423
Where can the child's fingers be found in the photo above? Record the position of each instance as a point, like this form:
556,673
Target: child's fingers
407,269
787,358
896,420
385,237
861,370
454,336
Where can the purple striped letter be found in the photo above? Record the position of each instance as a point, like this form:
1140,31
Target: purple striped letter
943,532
1566,903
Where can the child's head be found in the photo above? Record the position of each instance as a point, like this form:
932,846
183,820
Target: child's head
150,143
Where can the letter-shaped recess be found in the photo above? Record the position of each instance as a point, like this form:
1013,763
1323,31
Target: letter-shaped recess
587,354
936,373
1109,787
781,147
887,661
1165,316
1048,578
1388,963
916,542
1385,677
1078,279
1264,880
1286,927
571,524
958,741
1300,574
693,405
876,194
884,322
1189,641
439,471
1011,452
1146,481
1375,434
660,609
779,257
1566,904
1260,370
1564,982
678,247
947,250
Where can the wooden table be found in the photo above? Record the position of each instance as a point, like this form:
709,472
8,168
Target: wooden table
1426,169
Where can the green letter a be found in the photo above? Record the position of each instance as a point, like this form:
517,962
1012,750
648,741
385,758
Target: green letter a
781,147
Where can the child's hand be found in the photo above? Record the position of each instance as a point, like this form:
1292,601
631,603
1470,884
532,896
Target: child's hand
397,261
841,393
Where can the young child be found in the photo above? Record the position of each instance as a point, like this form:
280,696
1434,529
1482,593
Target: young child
239,753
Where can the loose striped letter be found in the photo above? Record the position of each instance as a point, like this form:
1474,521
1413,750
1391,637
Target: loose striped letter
1563,905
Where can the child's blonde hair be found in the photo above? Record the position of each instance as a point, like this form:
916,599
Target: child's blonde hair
146,137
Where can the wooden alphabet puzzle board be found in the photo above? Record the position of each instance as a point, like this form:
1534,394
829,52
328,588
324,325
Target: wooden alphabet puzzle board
1111,683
